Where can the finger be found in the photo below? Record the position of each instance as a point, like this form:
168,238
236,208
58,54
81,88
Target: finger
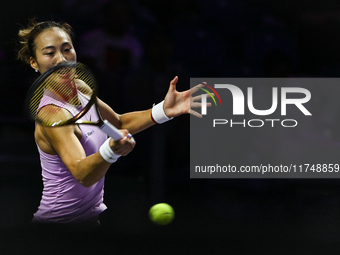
194,113
124,146
130,138
196,98
196,88
196,105
118,145
125,132
199,87
173,84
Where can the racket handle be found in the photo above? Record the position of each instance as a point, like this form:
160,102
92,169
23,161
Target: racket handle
111,131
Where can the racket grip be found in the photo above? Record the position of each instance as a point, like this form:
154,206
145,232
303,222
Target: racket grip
111,131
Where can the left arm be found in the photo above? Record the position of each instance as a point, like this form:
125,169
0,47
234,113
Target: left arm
175,104
135,122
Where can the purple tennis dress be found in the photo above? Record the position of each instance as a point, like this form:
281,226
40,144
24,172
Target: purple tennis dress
64,199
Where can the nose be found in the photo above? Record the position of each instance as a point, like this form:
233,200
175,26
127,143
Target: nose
60,58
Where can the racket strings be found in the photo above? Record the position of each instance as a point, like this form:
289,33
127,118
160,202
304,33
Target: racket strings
67,89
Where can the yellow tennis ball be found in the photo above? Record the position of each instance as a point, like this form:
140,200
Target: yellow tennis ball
161,214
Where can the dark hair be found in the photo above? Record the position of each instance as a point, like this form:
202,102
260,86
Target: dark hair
27,37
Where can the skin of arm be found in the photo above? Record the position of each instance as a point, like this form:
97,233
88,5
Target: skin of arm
175,104
135,122
64,141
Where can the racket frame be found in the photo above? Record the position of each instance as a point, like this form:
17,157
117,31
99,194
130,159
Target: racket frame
104,125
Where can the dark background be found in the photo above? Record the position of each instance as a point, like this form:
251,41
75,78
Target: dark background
188,38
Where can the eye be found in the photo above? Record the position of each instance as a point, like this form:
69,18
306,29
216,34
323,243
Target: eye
49,53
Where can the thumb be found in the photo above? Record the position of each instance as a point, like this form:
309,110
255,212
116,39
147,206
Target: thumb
173,84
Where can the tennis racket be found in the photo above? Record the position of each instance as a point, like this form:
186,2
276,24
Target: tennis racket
63,95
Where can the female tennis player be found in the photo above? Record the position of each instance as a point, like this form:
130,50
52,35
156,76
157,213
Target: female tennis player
75,158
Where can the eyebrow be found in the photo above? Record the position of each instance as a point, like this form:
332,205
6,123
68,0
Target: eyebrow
53,47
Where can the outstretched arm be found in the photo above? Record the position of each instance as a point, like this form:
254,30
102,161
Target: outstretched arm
175,104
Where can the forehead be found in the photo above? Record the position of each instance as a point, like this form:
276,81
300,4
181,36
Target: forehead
52,37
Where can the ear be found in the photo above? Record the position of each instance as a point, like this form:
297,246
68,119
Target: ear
34,63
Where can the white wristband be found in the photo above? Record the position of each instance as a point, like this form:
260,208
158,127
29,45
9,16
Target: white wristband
158,115
107,153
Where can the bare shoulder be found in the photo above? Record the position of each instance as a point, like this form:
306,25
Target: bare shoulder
84,88
52,139
50,114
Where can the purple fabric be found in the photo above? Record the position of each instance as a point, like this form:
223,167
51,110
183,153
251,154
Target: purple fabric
64,200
